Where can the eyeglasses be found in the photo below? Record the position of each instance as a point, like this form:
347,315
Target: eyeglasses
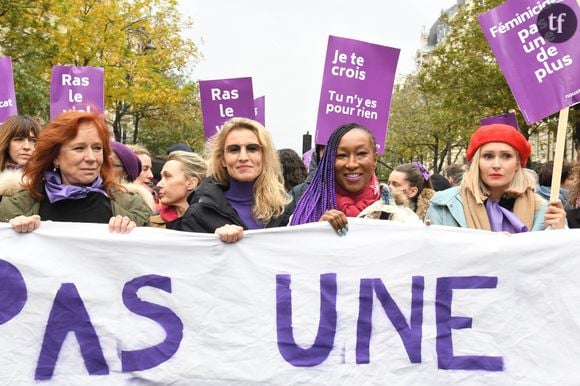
251,148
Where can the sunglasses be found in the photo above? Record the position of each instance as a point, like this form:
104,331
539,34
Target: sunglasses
251,148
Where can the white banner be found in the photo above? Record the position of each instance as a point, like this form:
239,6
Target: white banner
387,304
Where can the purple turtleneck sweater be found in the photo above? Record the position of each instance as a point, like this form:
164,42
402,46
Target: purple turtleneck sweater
241,197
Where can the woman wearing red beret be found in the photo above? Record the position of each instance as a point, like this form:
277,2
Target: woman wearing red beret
495,193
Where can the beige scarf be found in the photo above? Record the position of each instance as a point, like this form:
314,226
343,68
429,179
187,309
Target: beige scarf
476,214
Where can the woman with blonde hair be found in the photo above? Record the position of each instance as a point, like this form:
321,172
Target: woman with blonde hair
245,187
495,193
181,174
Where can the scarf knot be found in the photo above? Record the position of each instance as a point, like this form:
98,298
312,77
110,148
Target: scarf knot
168,213
502,220
351,204
57,191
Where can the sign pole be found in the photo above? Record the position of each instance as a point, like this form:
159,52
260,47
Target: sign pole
559,154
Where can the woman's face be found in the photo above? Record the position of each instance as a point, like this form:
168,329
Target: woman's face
146,174
355,161
498,163
242,156
398,181
81,158
175,185
21,148
570,181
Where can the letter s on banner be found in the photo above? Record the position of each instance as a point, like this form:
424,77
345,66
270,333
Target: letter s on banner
152,356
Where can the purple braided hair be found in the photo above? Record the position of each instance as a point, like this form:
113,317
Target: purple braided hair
320,195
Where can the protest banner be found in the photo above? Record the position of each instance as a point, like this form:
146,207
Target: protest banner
357,85
260,110
7,94
537,46
222,99
388,303
77,89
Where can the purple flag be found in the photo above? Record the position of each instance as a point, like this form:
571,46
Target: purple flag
307,157
537,45
506,119
260,109
7,94
77,89
356,87
223,99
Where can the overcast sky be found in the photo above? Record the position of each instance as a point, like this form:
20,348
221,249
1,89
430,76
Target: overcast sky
282,45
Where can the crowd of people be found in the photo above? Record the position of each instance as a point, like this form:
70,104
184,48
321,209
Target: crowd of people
72,170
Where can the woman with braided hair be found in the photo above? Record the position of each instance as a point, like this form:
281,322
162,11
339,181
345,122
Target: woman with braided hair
345,184
414,181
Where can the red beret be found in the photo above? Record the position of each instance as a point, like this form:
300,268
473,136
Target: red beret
499,133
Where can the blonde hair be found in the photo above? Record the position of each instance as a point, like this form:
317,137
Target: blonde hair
270,197
193,165
472,181
139,150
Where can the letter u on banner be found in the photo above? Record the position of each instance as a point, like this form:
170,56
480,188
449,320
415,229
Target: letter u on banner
324,341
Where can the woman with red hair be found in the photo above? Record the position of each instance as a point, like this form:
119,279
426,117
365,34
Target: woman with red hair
70,178
495,193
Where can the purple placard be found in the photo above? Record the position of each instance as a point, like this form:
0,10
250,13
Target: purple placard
260,110
77,89
7,94
538,50
507,119
223,99
356,87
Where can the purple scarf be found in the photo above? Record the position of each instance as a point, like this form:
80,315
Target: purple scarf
12,166
56,191
502,220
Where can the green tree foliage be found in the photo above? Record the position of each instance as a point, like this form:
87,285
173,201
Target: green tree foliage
172,125
414,130
137,42
24,36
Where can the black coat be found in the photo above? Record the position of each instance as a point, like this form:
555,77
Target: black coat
209,209
573,216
